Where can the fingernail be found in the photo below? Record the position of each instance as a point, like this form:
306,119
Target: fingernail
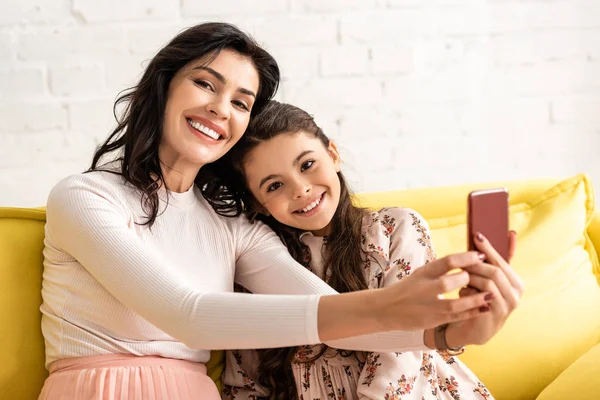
484,308
481,256
488,297
514,232
479,236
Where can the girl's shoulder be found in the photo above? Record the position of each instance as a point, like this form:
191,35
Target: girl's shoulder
391,219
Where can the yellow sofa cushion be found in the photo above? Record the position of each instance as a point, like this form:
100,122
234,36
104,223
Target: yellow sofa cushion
558,318
579,381
22,372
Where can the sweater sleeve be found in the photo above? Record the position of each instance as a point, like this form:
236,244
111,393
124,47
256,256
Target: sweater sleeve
265,266
88,220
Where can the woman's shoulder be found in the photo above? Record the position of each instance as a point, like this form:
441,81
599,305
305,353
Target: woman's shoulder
87,187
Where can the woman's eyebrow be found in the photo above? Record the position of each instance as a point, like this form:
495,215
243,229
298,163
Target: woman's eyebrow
222,79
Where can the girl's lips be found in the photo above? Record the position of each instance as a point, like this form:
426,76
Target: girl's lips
314,210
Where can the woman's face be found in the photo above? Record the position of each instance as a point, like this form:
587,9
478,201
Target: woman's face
208,109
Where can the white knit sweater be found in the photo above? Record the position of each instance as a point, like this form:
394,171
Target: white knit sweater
112,285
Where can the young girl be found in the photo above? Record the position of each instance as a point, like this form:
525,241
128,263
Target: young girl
293,173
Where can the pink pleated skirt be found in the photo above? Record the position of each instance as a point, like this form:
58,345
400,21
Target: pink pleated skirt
128,377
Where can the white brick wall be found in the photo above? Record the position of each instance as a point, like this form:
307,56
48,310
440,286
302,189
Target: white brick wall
416,93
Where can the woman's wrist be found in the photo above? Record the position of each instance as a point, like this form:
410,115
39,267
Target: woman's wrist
351,314
455,337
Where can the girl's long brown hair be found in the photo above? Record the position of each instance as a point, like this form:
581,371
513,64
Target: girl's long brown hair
343,255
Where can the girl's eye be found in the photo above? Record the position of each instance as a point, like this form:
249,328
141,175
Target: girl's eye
203,84
306,165
241,105
273,186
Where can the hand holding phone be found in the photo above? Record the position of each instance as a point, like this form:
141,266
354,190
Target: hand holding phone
488,214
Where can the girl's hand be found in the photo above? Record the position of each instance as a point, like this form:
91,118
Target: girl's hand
415,303
498,278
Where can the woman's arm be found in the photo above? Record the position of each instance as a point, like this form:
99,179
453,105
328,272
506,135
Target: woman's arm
350,320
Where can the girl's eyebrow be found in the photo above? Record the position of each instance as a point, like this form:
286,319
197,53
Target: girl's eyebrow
296,161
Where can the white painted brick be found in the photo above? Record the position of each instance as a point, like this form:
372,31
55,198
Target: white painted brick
25,117
21,84
451,84
94,118
385,26
390,59
34,11
381,123
296,62
297,30
566,14
148,40
437,54
77,80
123,10
581,110
344,60
194,8
454,21
6,47
124,72
332,5
314,94
66,43
39,180
541,79
511,17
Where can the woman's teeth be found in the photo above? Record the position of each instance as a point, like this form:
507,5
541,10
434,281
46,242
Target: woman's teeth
203,129
311,205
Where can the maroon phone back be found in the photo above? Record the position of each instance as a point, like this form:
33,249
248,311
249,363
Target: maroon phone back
488,214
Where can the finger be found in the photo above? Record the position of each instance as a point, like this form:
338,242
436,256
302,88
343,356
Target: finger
450,282
462,316
512,244
467,291
464,304
484,245
442,266
510,273
490,278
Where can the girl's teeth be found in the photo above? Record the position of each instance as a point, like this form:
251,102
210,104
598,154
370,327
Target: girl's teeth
312,205
201,128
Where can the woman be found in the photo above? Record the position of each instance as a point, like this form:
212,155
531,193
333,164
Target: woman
139,269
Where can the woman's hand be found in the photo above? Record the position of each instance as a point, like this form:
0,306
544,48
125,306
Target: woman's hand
415,303
497,277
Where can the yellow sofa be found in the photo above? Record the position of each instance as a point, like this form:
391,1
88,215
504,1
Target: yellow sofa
549,341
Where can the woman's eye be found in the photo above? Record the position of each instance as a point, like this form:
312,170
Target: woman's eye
306,165
273,186
241,105
203,84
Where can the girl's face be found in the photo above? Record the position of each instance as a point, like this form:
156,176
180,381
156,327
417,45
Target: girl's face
208,109
294,177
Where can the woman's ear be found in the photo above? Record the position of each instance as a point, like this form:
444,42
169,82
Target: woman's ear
335,155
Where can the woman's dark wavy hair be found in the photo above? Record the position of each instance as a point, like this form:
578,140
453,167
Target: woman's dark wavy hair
139,129
343,253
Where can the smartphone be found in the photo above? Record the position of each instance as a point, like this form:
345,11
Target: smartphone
488,213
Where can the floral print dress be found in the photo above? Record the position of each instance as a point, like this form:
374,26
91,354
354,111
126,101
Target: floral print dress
395,242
